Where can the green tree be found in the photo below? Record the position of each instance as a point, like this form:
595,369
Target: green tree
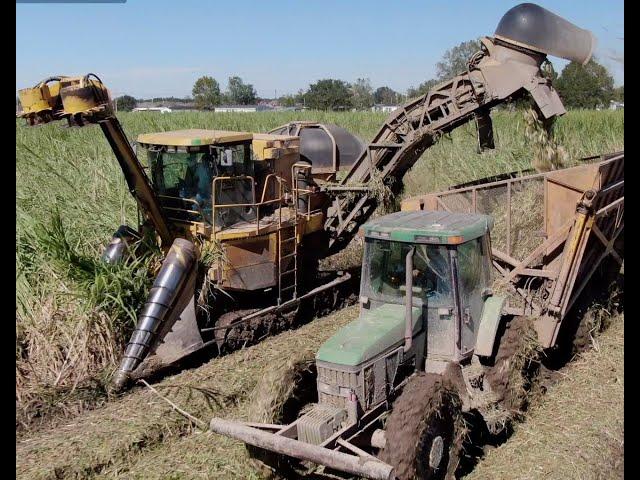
329,94
386,96
423,88
240,93
126,103
299,97
618,94
206,93
585,86
454,60
362,94
287,101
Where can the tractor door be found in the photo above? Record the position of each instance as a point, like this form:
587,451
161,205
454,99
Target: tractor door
474,276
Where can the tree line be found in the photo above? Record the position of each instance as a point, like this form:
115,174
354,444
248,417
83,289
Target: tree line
579,86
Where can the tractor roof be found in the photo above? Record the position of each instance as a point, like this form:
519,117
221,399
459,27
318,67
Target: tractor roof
193,137
429,227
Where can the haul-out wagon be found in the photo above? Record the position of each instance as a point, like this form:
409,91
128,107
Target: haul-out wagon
552,231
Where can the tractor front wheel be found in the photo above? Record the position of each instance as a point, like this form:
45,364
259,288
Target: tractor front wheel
422,435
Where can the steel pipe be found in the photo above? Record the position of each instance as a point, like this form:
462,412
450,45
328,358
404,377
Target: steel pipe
353,464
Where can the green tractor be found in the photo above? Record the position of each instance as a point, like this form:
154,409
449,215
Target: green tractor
384,396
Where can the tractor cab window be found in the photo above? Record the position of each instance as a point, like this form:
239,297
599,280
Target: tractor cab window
384,272
474,266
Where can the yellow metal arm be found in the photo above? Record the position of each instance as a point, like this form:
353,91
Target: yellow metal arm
86,101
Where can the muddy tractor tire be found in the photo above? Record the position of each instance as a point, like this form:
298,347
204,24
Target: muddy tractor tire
515,365
423,430
280,397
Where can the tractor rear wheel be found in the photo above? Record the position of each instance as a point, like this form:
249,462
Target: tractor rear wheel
515,365
280,397
423,437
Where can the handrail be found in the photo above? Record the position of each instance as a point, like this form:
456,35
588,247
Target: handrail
198,210
254,204
296,191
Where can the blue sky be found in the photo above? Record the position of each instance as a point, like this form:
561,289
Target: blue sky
151,48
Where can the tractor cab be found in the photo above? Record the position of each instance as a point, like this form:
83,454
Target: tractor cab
440,262
425,278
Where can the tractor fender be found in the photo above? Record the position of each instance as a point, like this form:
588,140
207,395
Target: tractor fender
489,322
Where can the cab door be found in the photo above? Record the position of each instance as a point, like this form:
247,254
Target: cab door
474,276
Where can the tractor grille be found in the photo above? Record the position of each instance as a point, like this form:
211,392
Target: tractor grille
370,382
333,386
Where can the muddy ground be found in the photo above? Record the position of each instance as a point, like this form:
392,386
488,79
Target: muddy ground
140,436
576,430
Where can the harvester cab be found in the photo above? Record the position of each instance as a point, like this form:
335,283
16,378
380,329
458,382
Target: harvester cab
183,166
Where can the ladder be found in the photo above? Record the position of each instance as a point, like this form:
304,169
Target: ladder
288,262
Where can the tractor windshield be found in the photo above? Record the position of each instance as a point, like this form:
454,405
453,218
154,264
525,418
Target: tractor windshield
384,272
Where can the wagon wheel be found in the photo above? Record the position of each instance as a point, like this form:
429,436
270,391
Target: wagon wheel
423,430
280,397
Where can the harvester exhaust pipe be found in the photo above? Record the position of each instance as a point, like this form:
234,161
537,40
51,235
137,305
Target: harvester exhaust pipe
532,27
367,467
171,292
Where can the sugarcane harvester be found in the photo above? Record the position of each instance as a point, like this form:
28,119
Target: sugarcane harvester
272,201
383,397
249,199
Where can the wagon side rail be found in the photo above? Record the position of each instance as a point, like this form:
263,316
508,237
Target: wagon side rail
574,217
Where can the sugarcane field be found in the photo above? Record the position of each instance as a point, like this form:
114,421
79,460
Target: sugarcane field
329,272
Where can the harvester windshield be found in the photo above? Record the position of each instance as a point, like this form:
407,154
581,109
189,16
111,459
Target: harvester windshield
384,272
184,180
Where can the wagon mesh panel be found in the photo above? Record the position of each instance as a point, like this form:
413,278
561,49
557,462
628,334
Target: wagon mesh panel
518,223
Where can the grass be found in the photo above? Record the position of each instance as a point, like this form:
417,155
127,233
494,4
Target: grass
578,431
73,314
139,436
